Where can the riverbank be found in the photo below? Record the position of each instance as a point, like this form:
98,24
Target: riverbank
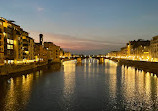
13,69
141,65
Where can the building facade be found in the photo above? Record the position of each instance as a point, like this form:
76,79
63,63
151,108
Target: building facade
154,48
1,42
132,45
41,54
67,54
13,46
53,51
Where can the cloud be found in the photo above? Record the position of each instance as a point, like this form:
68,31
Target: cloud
77,44
40,9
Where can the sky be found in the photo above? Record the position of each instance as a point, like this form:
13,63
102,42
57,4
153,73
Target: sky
85,26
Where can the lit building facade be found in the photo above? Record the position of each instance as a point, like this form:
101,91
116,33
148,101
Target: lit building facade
40,53
53,51
135,50
142,53
61,53
132,45
28,48
67,54
154,48
1,42
13,46
122,52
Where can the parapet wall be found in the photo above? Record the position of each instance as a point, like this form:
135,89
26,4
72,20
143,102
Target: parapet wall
143,65
10,69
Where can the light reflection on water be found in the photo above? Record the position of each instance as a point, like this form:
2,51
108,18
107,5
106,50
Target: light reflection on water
19,91
87,86
69,84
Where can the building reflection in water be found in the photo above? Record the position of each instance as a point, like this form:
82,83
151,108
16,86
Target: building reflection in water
18,93
69,83
111,69
138,89
108,85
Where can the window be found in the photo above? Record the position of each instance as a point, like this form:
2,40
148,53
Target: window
9,46
0,23
9,41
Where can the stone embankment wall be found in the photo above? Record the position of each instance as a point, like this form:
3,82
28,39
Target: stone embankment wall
9,69
143,65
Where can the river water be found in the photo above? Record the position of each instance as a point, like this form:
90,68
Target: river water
90,86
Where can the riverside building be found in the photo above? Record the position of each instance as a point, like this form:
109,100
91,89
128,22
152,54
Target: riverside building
67,54
135,50
15,44
46,51
40,51
154,48
53,51
132,45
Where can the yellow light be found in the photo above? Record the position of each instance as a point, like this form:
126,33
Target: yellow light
27,52
15,42
155,76
5,24
23,37
11,42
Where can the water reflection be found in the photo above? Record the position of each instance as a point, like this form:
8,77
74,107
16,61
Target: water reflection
19,91
69,84
132,88
112,71
84,87
138,89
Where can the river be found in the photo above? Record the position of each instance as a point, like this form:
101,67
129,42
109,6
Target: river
88,86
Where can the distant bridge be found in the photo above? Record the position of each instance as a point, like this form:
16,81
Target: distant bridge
79,59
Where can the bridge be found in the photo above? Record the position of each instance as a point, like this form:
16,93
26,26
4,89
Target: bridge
80,58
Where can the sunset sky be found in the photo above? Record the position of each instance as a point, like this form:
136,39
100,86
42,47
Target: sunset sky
85,26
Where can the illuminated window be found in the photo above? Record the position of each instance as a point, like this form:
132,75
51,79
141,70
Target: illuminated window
23,37
9,46
9,41
4,34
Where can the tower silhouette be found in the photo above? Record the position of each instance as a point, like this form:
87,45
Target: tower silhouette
41,39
